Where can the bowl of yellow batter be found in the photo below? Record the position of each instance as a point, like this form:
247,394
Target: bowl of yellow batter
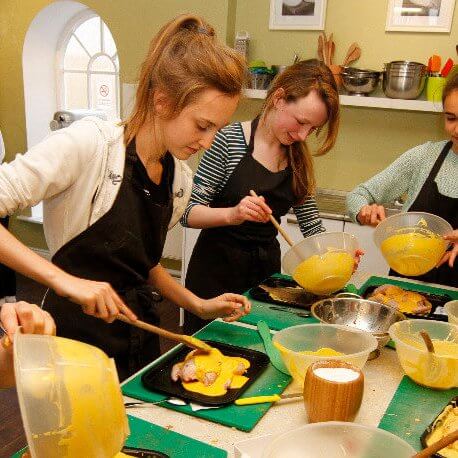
412,243
302,345
70,399
322,263
435,370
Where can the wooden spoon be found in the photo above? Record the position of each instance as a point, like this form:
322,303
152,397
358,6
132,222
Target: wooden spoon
190,341
320,48
277,226
353,53
439,445
330,50
428,342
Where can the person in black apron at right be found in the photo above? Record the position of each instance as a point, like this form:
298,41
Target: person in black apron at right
428,198
112,190
237,247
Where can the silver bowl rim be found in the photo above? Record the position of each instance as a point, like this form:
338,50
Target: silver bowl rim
398,313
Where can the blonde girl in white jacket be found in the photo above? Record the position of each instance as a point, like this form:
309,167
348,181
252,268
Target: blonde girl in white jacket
111,192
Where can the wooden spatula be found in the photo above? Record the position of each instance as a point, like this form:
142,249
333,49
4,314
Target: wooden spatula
436,446
190,341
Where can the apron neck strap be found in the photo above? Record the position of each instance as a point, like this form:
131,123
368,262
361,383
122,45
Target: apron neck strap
254,126
438,164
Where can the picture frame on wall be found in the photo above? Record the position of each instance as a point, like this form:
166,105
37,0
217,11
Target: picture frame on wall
297,14
420,15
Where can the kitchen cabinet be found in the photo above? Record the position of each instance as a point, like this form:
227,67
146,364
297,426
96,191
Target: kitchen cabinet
372,261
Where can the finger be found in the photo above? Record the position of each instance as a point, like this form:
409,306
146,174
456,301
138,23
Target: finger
9,319
251,215
381,213
259,211
38,321
238,298
101,310
124,309
89,308
444,259
262,203
374,215
451,259
25,317
111,308
50,326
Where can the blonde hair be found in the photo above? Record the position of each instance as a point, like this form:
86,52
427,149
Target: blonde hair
298,81
184,59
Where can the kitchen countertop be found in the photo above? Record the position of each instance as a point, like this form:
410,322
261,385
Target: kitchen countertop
382,377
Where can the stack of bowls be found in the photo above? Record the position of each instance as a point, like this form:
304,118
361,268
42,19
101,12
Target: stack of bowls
404,79
359,82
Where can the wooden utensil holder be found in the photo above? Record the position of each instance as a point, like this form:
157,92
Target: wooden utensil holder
332,400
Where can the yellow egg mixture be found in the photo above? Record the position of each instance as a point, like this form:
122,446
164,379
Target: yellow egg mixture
439,371
216,362
446,423
324,274
324,351
413,253
86,431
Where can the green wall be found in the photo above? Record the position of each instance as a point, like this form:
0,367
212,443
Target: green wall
369,139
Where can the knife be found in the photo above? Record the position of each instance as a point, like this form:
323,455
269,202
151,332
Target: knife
262,399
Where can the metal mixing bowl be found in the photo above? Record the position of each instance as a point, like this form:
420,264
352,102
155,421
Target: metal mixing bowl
404,79
359,313
359,82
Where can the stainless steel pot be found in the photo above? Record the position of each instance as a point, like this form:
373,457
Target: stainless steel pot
359,82
403,79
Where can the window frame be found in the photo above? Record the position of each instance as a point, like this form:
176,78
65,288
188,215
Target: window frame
68,32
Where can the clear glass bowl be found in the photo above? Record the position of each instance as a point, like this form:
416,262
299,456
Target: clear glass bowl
334,439
452,311
293,341
412,243
438,370
70,399
322,263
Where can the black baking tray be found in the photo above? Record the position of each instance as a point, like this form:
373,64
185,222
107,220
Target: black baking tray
158,377
303,299
437,300
434,424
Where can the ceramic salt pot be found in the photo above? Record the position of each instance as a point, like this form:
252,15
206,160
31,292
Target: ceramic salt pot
333,391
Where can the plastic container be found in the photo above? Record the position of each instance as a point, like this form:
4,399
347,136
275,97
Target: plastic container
70,399
353,343
431,370
338,440
412,242
322,263
434,88
451,308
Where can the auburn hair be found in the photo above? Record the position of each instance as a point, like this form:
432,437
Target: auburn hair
450,86
184,59
298,81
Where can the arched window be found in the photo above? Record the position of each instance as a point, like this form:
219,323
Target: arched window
89,67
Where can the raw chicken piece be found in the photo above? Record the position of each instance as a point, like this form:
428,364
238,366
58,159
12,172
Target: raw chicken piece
207,367
404,301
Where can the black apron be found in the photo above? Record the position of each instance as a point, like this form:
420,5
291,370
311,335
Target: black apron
430,200
120,248
7,275
235,258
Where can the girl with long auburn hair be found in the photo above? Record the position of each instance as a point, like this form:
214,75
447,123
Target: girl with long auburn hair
237,247
111,191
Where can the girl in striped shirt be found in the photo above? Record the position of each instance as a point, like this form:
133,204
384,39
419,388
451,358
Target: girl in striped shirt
237,247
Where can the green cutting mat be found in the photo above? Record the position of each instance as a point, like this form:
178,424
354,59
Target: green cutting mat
271,381
377,281
152,437
412,410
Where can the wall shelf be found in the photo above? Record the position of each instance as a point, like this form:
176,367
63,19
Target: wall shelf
377,101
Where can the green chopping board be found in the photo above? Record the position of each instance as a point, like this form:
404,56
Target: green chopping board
412,410
152,437
271,381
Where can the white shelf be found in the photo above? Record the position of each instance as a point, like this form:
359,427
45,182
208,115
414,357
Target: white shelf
378,101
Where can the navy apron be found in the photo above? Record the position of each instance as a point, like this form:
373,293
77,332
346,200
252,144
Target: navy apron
236,258
430,200
120,248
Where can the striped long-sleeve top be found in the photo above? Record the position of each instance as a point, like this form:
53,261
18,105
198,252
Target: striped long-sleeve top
217,165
